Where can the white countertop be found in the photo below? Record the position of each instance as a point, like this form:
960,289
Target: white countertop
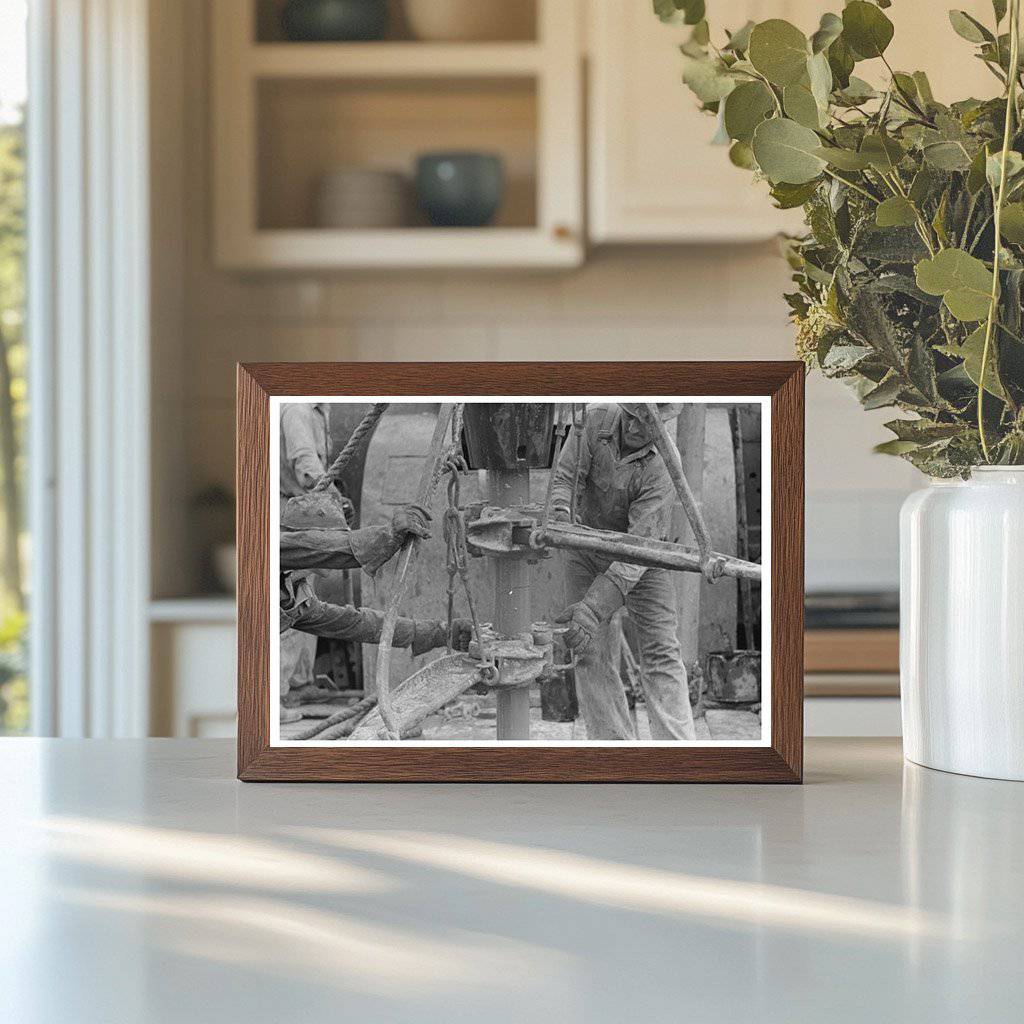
140,882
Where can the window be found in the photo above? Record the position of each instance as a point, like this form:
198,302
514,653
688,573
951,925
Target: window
14,693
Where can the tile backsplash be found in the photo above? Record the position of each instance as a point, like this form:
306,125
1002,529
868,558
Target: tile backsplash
718,302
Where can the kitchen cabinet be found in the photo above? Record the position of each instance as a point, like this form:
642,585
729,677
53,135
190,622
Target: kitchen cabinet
653,175
288,114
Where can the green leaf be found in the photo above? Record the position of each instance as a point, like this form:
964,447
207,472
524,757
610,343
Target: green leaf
745,108
882,151
841,63
801,106
895,447
701,34
923,431
844,159
895,212
947,156
922,185
866,29
787,151
829,30
739,41
857,91
976,173
1012,223
963,281
924,88
819,74
788,196
969,28
779,51
741,155
999,9
707,78
971,351
993,167
690,12
885,394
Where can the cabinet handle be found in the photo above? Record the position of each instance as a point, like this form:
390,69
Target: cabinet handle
562,232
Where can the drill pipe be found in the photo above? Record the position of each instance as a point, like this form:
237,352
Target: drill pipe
625,547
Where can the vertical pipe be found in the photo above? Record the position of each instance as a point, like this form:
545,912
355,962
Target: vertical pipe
507,487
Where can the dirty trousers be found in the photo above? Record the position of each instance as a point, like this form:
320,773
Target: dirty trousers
652,610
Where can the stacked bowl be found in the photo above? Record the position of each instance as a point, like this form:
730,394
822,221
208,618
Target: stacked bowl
362,197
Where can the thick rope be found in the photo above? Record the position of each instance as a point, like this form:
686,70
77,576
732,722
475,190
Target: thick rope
345,714
353,446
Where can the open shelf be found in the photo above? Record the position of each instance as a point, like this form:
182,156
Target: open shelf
287,114
392,60
520,23
308,127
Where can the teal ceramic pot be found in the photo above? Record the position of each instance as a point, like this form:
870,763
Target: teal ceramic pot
460,189
334,21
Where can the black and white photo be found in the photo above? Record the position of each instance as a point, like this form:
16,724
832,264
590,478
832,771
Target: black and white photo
524,571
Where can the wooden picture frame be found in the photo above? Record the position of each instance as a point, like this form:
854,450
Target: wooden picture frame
780,759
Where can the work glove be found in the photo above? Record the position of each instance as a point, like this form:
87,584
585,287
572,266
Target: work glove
586,617
410,521
559,513
431,633
712,566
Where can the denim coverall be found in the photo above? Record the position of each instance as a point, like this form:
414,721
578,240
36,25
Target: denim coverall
631,492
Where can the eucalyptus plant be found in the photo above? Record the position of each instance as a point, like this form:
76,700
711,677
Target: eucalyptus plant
910,278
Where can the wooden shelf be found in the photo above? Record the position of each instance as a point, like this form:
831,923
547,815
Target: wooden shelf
393,60
318,248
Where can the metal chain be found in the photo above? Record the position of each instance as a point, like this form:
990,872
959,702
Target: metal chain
454,530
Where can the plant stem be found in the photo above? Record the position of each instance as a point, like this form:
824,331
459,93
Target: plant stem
1011,108
853,185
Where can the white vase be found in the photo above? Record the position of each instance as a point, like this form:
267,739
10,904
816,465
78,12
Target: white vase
962,624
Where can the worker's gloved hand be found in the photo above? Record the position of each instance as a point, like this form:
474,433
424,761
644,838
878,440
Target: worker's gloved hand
462,634
431,633
712,566
586,617
410,521
560,513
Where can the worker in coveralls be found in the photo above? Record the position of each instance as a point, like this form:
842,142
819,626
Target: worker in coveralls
625,486
315,535
305,441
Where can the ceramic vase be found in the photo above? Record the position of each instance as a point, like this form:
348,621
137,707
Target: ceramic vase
962,624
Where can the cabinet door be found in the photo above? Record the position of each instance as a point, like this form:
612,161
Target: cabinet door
654,176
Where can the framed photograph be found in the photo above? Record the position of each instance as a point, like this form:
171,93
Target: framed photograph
563,572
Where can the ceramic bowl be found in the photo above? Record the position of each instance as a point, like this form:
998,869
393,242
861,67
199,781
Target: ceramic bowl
359,197
460,189
333,21
470,20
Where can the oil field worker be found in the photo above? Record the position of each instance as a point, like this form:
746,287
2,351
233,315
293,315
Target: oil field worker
315,535
303,460
625,486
